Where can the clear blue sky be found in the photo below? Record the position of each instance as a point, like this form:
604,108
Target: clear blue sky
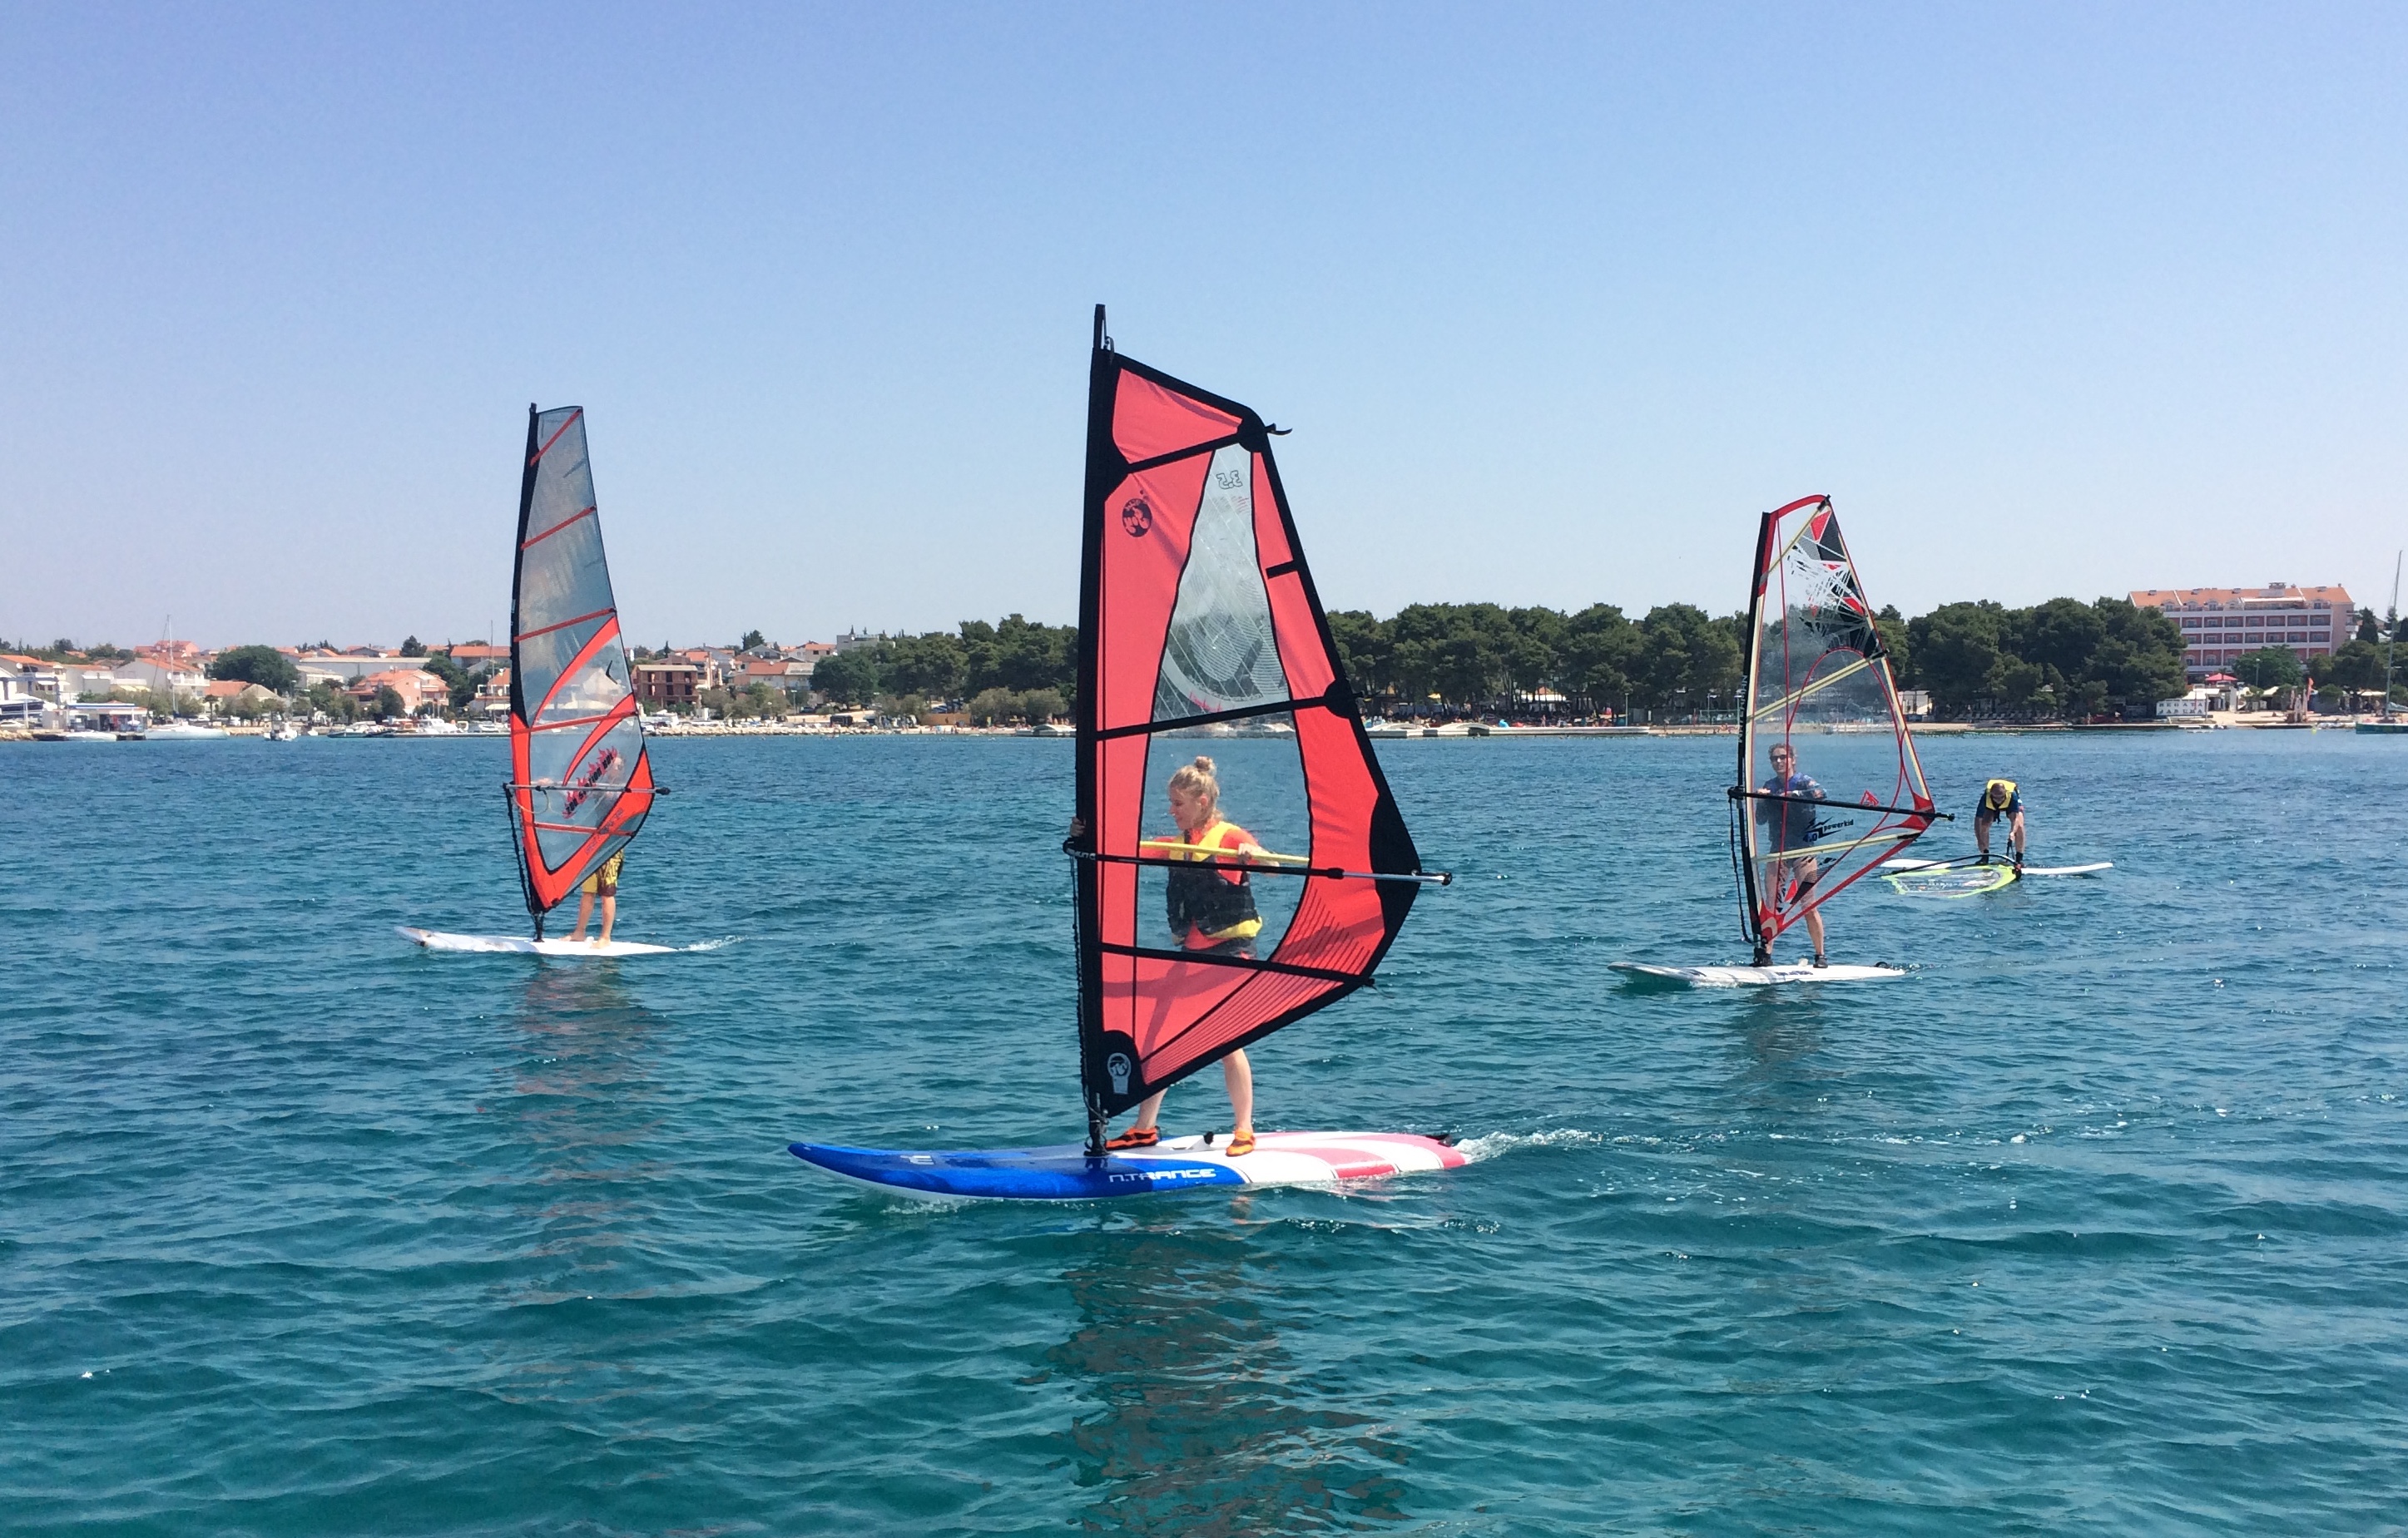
2051,299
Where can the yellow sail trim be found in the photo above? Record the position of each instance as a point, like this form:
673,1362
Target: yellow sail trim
1812,851
1825,682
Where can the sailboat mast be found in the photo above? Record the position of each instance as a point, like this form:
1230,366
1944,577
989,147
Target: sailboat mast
1742,813
518,701
1105,469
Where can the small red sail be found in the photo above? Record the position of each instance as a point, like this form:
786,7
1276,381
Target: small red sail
580,784
1848,791
1200,635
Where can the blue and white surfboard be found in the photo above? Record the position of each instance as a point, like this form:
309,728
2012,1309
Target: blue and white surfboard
1066,1173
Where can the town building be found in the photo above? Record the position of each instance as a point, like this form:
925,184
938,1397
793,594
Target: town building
711,661
2221,625
789,679
226,693
29,677
161,674
493,695
347,667
419,689
661,685
29,689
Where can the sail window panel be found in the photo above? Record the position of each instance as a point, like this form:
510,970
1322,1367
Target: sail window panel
1221,651
597,683
1261,777
563,581
563,491
1149,422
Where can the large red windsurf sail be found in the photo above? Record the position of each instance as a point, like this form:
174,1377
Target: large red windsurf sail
1828,784
1200,636
580,783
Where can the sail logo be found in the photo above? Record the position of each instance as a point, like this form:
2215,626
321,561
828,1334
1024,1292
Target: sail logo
1137,517
586,781
1150,1176
1119,1067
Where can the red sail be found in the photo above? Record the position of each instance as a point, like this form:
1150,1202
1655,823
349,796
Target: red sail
580,784
1200,633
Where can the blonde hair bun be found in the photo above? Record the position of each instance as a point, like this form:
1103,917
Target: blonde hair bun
1197,779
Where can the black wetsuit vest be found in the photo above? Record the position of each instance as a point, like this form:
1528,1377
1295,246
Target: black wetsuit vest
1205,902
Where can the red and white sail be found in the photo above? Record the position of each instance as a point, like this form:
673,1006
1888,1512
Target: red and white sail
1818,684
1199,632
580,784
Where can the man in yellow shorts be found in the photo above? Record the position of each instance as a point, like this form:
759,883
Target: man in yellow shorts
602,883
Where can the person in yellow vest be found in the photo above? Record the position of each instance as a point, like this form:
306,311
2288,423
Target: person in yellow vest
2000,802
1211,912
602,883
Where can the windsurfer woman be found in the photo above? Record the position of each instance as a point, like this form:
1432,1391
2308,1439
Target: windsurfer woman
1212,911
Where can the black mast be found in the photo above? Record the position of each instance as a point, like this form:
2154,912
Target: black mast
1741,784
518,706
1105,469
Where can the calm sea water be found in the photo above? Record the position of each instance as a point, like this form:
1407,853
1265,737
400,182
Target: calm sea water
2095,1223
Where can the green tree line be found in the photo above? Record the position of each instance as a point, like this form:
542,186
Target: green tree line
1013,655
2061,658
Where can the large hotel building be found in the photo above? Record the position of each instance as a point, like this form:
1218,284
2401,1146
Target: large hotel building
2220,625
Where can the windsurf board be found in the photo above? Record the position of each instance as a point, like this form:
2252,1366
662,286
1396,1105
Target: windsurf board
1066,1173
1757,976
519,945
1965,878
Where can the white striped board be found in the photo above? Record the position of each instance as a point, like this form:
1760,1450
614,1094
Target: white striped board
1754,976
517,945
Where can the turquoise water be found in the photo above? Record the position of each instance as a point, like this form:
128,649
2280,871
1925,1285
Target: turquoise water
2096,1223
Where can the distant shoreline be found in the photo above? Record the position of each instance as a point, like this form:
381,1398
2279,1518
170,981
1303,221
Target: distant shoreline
1452,731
